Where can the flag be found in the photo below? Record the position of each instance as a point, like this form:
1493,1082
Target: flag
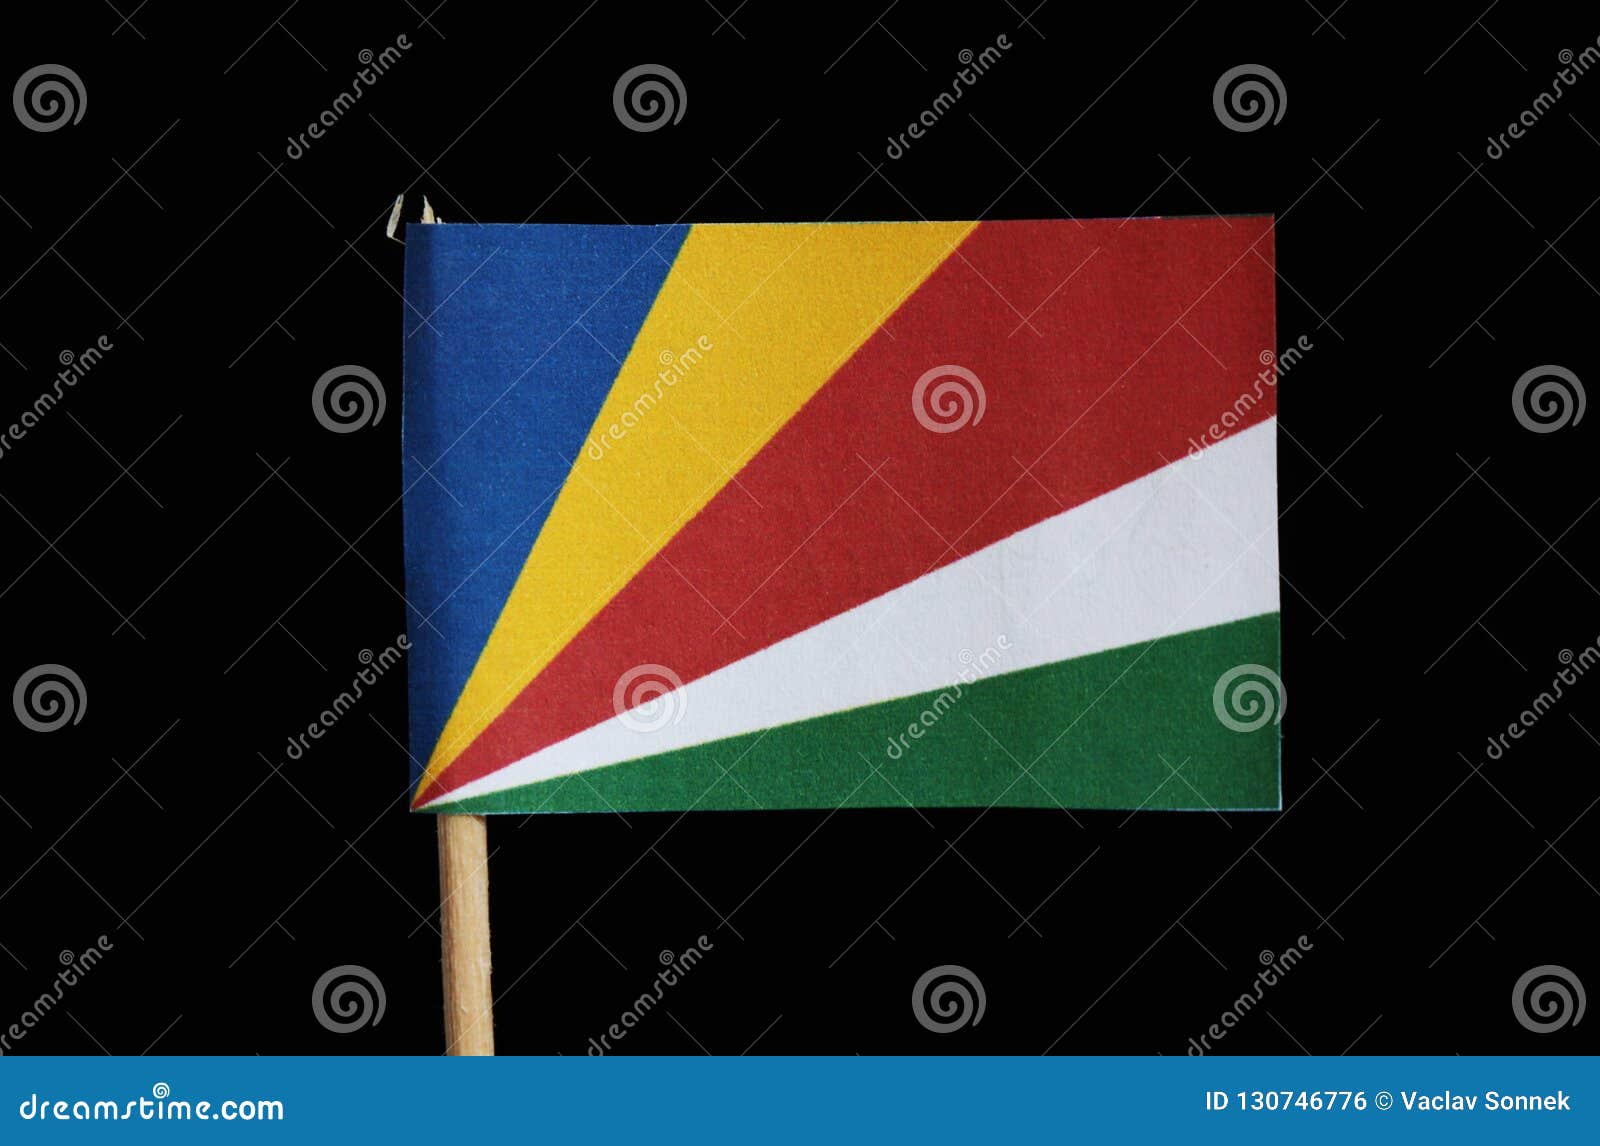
748,516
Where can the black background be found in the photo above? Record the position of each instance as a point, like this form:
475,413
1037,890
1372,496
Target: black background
184,535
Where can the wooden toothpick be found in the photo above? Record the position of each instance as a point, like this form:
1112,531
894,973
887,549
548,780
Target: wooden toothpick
464,912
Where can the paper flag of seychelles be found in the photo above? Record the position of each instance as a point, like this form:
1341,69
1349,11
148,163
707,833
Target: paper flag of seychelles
752,516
